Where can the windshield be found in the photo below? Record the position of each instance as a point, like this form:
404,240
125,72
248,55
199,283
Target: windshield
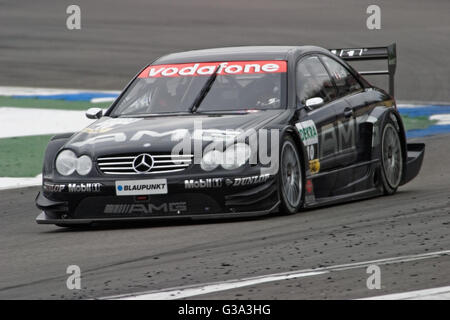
235,85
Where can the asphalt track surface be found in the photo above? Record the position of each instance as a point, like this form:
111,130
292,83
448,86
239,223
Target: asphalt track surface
140,257
116,39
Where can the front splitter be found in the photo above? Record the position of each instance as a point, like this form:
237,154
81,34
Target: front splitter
43,218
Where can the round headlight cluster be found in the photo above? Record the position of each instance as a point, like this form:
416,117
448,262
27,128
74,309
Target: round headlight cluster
67,163
234,156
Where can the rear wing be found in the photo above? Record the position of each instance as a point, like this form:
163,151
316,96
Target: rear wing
388,53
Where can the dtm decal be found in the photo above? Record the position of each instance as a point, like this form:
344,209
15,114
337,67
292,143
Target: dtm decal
203,183
141,187
209,68
148,208
236,182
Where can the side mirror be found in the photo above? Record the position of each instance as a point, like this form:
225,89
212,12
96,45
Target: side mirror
314,103
94,113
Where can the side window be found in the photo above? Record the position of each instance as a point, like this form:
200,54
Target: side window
345,81
313,81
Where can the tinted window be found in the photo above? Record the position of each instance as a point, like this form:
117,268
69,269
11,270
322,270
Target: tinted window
345,81
313,81
239,85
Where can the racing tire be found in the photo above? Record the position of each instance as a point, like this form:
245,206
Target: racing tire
290,177
391,157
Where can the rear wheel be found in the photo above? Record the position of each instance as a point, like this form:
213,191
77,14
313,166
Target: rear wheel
290,177
391,157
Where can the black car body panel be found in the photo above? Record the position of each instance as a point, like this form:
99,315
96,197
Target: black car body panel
341,164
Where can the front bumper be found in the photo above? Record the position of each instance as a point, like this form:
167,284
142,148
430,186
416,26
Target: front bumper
88,205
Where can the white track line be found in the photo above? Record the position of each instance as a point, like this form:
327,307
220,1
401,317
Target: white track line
442,119
199,289
19,122
15,183
442,293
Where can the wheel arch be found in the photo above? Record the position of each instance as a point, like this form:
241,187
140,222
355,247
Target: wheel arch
53,147
293,132
377,118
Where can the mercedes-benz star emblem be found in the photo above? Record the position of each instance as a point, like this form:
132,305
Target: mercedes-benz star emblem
143,163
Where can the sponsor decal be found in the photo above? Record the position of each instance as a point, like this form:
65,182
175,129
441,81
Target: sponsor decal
84,187
308,132
72,187
314,166
141,187
310,137
309,188
209,68
50,187
348,52
203,183
245,181
146,208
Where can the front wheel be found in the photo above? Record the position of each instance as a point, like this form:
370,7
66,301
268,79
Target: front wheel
290,177
391,158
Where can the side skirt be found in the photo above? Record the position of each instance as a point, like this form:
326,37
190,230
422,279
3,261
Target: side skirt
364,186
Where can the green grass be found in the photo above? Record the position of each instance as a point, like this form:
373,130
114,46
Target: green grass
22,156
49,104
417,122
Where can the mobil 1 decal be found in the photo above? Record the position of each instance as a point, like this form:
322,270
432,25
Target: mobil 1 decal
310,137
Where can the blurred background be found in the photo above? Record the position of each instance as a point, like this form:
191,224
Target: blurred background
117,38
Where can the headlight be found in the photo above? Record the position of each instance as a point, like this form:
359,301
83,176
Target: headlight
84,165
66,162
211,160
236,155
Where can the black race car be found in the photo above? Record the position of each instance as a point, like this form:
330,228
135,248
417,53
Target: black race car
233,132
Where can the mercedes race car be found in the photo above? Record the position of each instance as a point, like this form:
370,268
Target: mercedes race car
233,132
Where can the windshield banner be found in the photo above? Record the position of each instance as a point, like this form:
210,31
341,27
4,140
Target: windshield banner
208,68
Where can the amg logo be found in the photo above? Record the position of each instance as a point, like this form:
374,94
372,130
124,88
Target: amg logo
141,208
203,183
337,138
84,187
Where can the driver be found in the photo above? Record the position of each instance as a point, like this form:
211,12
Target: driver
265,92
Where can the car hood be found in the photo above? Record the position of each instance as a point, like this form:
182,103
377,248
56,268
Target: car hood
162,133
